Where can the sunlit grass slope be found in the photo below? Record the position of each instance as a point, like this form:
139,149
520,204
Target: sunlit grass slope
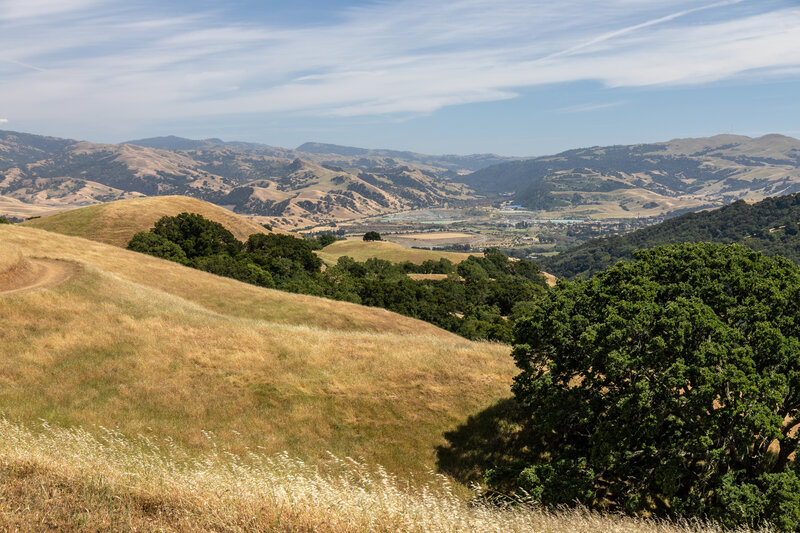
362,250
144,345
58,480
116,222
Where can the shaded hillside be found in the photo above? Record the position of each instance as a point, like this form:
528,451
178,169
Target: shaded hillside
148,346
648,179
769,226
116,222
271,183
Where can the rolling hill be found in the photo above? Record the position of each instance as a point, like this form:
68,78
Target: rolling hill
769,226
147,346
116,222
645,180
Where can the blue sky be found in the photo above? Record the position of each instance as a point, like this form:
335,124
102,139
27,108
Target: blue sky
515,77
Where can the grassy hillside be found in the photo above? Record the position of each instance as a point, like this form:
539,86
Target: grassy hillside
116,222
362,250
769,226
11,207
146,345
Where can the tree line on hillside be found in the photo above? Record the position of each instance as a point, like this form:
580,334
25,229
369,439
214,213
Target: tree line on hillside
771,226
475,299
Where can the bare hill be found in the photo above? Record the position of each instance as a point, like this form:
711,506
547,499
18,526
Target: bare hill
116,222
149,346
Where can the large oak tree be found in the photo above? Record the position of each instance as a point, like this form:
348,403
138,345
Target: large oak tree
670,384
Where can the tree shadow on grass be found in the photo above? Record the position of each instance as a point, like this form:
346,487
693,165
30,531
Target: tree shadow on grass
490,438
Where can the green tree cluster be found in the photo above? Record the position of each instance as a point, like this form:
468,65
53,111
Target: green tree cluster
668,385
474,300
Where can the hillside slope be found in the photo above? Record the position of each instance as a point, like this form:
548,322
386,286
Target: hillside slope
116,222
648,179
769,226
149,346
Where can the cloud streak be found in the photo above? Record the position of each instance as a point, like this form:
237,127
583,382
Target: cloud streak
389,58
589,107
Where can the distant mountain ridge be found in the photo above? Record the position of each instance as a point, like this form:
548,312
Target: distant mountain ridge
648,179
336,154
771,226
451,162
171,142
275,184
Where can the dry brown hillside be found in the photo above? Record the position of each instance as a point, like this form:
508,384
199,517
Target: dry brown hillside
283,187
116,222
148,346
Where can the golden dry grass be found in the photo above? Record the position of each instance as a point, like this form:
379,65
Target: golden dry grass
116,222
17,208
427,277
362,250
138,342
10,258
212,292
71,480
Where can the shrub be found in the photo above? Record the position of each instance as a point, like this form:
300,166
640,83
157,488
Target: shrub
266,247
237,268
150,243
326,238
372,236
670,385
196,235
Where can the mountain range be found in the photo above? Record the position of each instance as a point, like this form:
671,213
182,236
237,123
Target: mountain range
319,183
283,187
648,179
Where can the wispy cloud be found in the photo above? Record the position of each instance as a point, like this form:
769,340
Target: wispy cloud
589,107
3,121
120,63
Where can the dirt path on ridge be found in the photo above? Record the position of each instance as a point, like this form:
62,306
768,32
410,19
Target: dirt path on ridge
37,274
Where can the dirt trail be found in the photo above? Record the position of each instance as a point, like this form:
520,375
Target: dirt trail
37,274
